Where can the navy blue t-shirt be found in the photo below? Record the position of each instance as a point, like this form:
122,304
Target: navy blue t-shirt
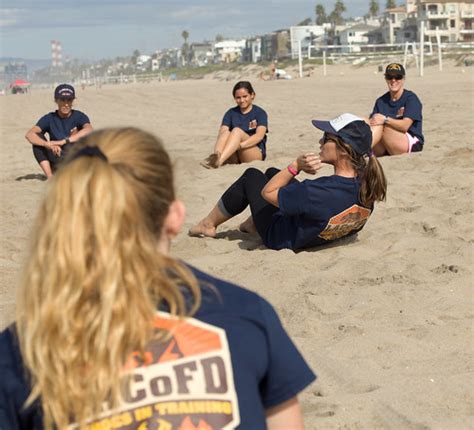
316,211
223,367
59,128
248,122
407,106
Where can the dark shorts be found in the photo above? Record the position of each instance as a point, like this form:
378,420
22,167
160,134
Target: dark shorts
44,154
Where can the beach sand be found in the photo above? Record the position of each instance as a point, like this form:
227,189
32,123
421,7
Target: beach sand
384,319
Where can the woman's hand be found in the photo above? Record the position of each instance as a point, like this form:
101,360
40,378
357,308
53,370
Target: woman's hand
55,147
377,119
308,163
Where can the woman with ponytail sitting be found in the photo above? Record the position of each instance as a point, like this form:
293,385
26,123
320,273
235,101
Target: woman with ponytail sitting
112,332
290,214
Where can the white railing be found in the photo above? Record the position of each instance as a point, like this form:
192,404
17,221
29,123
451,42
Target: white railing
366,53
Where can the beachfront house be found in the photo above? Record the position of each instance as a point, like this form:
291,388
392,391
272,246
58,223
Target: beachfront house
352,37
201,54
275,45
451,19
306,37
228,51
253,50
143,63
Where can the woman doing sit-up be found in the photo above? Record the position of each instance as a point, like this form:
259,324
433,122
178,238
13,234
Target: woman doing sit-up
290,214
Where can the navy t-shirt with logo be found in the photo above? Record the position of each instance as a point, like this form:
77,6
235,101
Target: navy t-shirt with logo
219,369
59,128
316,211
248,122
407,106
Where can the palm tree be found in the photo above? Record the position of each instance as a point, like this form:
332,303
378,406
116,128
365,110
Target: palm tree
320,15
306,21
374,7
335,17
185,36
185,48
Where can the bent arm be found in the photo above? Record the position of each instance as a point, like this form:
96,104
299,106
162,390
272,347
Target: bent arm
401,125
34,137
255,139
86,129
281,179
308,163
286,415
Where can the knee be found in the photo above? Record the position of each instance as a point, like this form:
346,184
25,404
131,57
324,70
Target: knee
237,131
252,171
271,171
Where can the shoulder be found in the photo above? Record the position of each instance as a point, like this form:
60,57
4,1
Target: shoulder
11,363
47,117
258,109
229,297
384,98
77,114
233,110
410,95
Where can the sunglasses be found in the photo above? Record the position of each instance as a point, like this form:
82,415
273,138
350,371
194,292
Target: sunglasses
326,138
396,77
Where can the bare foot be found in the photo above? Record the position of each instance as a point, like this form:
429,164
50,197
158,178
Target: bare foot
214,160
203,229
248,226
206,162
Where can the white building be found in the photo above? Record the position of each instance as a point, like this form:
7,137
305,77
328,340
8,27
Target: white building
354,36
228,51
306,35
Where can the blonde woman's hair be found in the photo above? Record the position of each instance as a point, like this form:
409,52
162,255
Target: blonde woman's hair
95,276
373,184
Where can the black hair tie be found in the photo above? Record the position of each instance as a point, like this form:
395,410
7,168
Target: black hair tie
89,151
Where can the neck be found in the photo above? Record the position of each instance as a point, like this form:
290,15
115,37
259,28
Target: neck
396,95
344,168
246,110
64,116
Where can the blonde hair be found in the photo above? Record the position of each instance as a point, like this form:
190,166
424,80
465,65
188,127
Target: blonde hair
95,276
373,184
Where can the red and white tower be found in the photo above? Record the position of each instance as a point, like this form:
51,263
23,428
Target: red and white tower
56,54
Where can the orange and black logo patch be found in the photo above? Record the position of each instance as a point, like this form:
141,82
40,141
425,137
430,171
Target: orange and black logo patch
342,224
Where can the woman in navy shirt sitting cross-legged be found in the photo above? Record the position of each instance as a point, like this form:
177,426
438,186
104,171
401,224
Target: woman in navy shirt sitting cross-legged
243,133
290,214
396,118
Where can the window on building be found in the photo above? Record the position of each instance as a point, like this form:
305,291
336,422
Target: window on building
452,23
407,34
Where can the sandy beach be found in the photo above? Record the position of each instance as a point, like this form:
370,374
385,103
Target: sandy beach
385,319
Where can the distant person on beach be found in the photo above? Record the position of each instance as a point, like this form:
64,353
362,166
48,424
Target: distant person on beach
243,133
112,331
64,126
290,214
396,119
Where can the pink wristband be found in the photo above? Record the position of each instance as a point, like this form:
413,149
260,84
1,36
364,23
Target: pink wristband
293,171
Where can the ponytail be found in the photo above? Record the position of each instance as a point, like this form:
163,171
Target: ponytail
373,184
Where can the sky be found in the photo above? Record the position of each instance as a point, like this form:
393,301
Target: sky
96,29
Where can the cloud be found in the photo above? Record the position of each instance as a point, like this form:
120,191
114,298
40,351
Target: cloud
10,17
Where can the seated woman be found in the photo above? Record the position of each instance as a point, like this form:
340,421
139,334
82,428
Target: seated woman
63,126
111,331
290,214
243,133
396,119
